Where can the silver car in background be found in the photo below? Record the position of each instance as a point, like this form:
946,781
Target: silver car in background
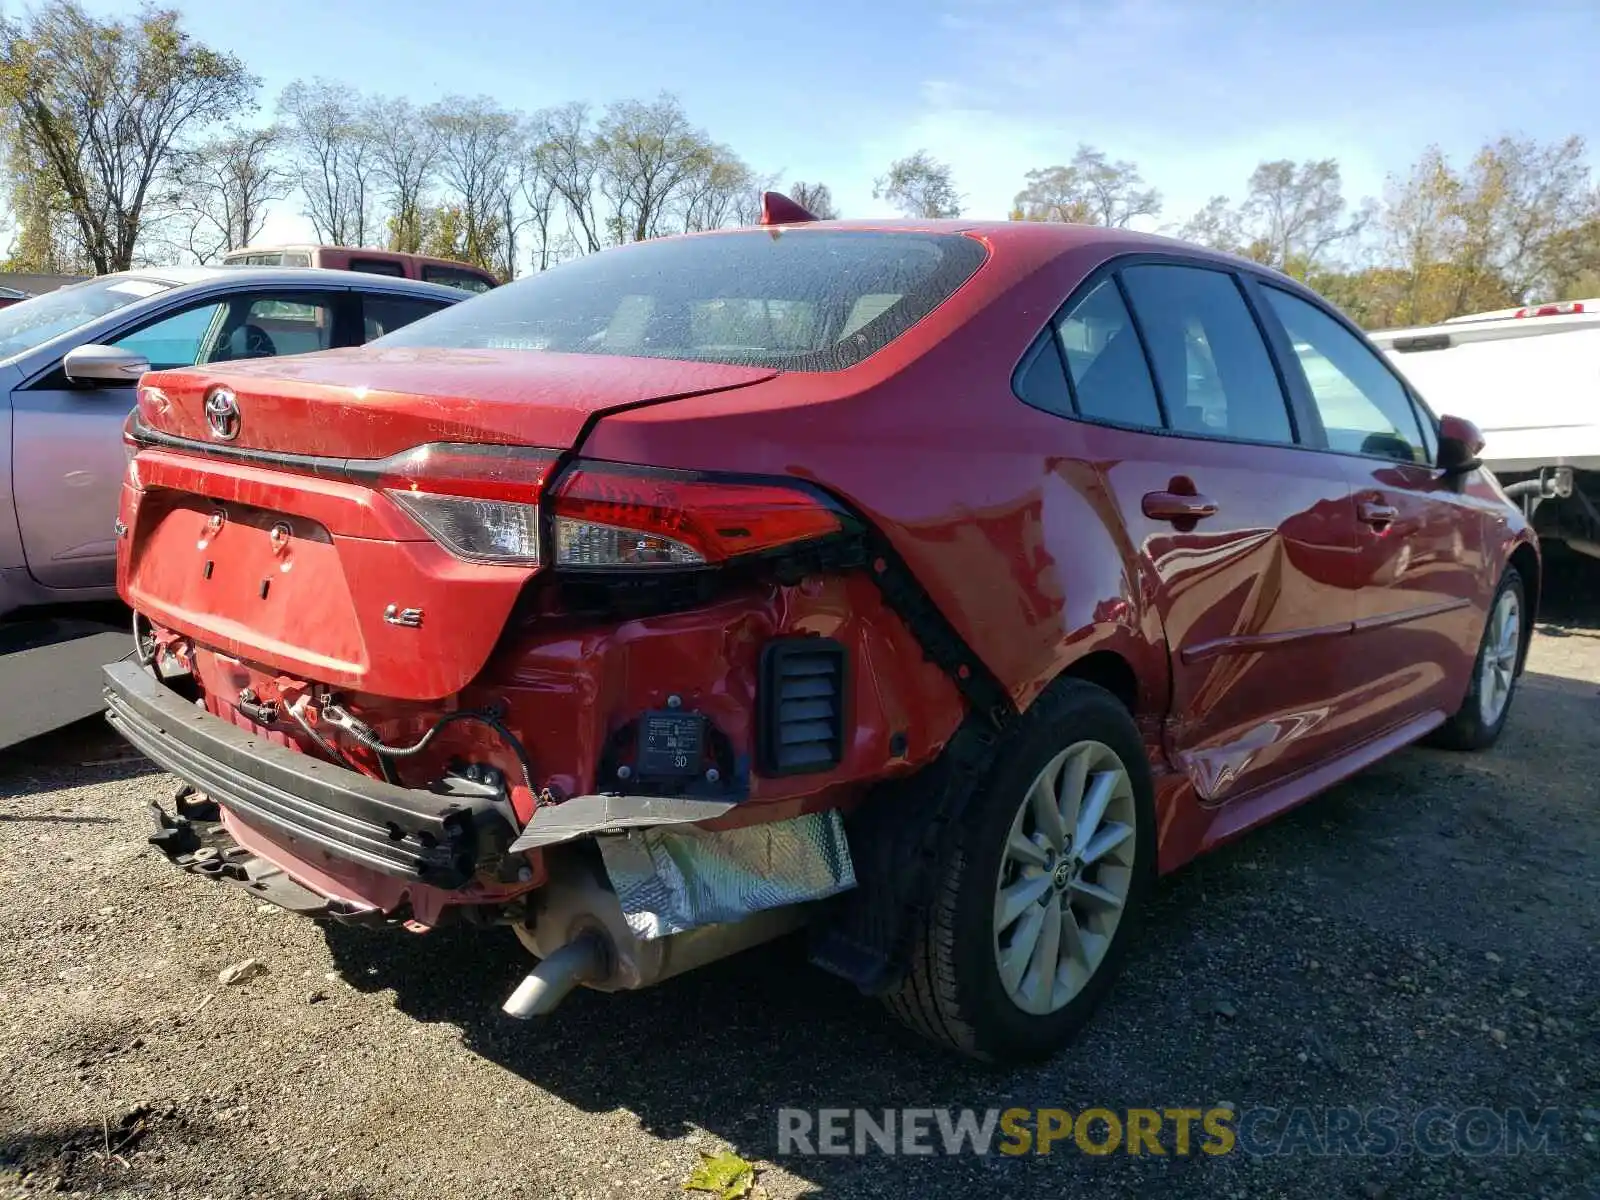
69,363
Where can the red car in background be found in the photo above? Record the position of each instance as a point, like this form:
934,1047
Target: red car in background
10,296
367,261
932,585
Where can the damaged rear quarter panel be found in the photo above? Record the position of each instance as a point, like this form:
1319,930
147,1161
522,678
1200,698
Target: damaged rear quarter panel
999,510
569,691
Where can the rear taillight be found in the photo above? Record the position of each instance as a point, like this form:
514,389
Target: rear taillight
476,530
480,502
484,472
609,515
483,503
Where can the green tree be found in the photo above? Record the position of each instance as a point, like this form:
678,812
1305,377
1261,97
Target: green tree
1090,190
920,186
99,110
717,194
448,233
43,241
1574,256
651,158
1517,200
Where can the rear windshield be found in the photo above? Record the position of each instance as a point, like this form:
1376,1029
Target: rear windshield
798,300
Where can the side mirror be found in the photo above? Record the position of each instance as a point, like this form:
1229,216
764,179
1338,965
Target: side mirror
1460,443
104,364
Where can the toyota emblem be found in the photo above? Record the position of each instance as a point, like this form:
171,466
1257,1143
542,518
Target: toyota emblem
222,414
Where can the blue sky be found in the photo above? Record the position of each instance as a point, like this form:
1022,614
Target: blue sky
1196,92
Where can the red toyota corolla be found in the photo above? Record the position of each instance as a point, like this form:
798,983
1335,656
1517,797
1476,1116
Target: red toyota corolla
933,586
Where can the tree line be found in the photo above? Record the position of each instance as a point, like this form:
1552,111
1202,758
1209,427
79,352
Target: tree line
1518,222
126,142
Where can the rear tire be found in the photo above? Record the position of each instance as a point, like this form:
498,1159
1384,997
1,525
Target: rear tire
1034,915
1476,725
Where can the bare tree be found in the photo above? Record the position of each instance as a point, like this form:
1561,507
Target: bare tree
405,151
479,144
1217,225
524,200
222,190
919,186
714,195
1091,190
541,201
1293,214
649,153
335,158
815,198
746,208
101,107
566,147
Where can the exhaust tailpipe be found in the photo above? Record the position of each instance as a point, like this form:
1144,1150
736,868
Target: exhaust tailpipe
585,959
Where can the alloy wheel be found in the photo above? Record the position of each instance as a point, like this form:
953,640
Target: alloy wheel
1497,669
1065,877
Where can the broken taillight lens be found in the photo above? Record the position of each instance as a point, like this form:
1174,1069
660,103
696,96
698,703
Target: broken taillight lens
611,515
477,530
480,502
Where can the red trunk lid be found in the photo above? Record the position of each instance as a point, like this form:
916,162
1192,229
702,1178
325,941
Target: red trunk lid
314,573
374,401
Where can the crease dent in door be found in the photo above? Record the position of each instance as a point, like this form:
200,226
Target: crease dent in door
1236,647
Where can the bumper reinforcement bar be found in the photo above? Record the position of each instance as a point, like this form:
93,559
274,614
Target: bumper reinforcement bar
438,839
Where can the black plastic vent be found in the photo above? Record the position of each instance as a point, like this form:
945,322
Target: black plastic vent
801,706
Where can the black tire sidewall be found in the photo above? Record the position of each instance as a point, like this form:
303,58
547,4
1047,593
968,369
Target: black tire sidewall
1002,1030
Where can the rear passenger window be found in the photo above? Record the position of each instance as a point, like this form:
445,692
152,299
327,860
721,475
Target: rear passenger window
1210,360
1364,408
1110,379
1041,381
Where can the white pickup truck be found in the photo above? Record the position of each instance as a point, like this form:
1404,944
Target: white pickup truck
1529,378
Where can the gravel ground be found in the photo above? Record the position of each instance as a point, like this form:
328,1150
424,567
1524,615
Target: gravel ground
1424,935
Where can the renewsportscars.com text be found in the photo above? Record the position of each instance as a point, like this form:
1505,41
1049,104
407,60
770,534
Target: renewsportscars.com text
1261,1132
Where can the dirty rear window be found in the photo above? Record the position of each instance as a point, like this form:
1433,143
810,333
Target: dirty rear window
798,300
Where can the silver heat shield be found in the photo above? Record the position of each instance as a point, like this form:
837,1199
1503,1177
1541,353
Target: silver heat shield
672,880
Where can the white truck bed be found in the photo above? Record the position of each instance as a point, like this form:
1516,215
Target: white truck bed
1531,384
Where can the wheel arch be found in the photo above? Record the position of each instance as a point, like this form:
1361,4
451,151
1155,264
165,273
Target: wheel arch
1110,670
